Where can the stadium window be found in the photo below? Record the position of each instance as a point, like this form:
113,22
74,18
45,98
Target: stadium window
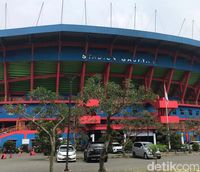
190,111
182,111
174,112
197,113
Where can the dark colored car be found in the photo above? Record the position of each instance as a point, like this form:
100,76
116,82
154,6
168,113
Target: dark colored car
93,151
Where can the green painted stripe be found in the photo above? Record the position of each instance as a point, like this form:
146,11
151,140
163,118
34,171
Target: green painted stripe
70,67
49,83
64,87
178,74
194,78
1,87
95,67
18,69
159,72
1,71
139,70
118,68
20,86
44,67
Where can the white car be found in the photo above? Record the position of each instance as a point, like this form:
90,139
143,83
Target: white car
62,152
117,147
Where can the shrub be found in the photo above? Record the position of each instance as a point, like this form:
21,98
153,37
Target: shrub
176,142
9,146
128,146
162,148
195,147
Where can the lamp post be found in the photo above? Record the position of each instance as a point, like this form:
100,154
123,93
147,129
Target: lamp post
68,126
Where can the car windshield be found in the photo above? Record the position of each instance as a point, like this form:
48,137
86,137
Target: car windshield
64,149
97,145
116,144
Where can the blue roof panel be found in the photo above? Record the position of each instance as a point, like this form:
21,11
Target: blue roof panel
97,30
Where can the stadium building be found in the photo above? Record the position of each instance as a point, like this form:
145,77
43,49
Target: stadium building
44,55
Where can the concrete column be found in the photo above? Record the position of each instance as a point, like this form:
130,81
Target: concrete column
182,138
124,138
154,138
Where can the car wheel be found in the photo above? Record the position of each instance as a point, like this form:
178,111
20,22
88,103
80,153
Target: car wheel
145,156
134,155
158,157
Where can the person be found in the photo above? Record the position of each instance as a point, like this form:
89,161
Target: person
20,152
32,152
3,155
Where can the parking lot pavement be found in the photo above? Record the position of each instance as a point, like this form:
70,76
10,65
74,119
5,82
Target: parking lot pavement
39,163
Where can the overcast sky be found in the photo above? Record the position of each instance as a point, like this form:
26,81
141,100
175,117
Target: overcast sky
170,14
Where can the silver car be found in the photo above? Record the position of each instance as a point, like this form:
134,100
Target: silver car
143,149
62,152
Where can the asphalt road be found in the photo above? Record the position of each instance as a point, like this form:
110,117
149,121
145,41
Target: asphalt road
39,163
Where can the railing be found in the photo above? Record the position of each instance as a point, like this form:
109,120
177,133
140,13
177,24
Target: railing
11,129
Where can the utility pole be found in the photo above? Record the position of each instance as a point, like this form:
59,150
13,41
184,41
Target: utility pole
111,14
70,78
85,9
192,28
155,19
61,17
6,15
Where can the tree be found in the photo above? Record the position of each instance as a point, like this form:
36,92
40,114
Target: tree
48,109
42,143
141,121
113,99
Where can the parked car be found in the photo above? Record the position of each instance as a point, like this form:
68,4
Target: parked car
143,149
116,147
93,151
62,152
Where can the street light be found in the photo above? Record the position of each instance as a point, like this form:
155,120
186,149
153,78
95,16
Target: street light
68,121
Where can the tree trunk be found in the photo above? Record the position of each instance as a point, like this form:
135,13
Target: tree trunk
51,157
106,144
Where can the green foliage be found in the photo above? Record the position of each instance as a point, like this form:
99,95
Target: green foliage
162,148
47,109
195,147
128,146
9,146
175,141
42,143
154,149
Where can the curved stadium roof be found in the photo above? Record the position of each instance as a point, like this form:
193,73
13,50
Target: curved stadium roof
184,55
